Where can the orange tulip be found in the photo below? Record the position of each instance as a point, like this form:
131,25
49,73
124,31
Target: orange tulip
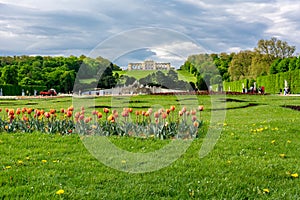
200,108
172,108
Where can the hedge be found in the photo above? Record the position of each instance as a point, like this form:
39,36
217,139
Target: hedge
272,83
16,90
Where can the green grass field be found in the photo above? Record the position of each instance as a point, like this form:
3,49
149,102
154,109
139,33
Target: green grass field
255,157
138,74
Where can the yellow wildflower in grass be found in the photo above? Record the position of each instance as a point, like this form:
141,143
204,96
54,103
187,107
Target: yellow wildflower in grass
224,124
282,155
229,161
273,141
295,175
27,158
44,161
260,129
20,162
59,192
266,190
123,161
8,167
289,141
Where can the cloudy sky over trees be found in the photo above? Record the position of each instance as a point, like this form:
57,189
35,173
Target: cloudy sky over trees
65,27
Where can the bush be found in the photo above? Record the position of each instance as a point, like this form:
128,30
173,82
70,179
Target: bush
272,83
16,90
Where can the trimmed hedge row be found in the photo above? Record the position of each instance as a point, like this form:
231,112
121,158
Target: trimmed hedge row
16,90
273,83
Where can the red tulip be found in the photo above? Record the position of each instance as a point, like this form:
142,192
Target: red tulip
29,110
47,115
172,108
106,110
18,111
194,118
69,113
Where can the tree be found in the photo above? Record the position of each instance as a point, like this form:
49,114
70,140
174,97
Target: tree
260,65
283,66
239,67
107,80
292,63
130,80
9,74
298,63
201,84
274,66
172,75
275,48
222,61
161,78
67,81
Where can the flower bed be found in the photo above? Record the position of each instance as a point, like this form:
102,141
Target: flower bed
163,123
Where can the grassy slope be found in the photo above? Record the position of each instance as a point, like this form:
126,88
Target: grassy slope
182,75
241,165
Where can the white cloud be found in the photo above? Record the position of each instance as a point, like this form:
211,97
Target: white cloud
65,26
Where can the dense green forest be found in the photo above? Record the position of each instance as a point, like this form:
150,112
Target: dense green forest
55,72
269,57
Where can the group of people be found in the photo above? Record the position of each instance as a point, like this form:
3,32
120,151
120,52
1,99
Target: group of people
253,90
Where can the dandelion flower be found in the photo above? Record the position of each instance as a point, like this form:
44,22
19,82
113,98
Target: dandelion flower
266,190
282,155
44,161
8,167
273,141
295,175
123,161
289,141
27,157
20,162
59,192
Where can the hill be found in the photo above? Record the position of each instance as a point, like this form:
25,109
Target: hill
138,74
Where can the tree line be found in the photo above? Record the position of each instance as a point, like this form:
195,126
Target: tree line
54,72
269,57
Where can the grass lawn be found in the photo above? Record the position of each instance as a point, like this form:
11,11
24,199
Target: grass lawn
256,156
138,74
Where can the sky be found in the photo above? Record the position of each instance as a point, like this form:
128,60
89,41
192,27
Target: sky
144,29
